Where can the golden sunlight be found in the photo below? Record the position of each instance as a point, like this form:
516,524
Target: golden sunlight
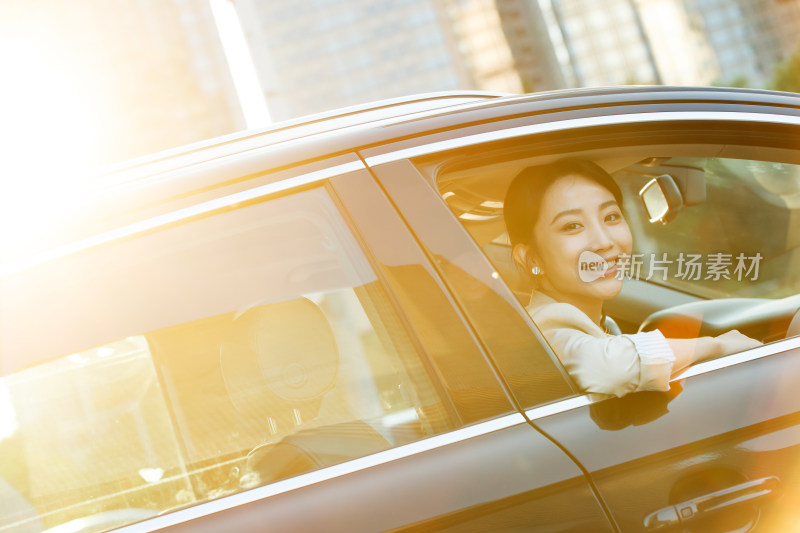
70,109
47,139
240,62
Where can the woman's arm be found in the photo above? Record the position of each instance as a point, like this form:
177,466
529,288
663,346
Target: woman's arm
617,365
690,351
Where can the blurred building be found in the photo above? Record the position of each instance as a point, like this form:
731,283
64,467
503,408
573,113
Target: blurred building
748,36
673,42
151,73
679,43
476,34
599,43
313,56
538,57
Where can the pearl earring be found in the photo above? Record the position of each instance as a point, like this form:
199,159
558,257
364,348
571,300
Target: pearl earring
536,270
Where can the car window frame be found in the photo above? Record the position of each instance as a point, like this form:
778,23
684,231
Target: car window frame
763,132
444,240
359,194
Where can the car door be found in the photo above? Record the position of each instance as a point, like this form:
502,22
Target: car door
718,451
283,356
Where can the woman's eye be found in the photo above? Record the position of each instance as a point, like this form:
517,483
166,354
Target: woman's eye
572,226
613,217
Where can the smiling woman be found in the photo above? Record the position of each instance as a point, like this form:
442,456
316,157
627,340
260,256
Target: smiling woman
565,220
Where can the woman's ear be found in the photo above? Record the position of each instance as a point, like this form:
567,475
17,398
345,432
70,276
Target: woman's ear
527,259
520,255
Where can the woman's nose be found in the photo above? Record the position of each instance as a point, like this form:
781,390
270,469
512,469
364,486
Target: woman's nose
601,238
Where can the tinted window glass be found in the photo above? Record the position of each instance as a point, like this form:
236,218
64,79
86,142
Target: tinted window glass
199,360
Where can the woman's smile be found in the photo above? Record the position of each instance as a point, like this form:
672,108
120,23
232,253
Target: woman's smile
592,266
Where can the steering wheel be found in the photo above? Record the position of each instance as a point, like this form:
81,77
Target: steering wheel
760,318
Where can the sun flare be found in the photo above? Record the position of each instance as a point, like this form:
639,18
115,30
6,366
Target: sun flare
47,141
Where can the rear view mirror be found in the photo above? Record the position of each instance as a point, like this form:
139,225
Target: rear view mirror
691,183
661,198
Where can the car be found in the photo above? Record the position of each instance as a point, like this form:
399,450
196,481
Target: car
320,327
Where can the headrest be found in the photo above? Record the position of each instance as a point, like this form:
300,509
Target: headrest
284,351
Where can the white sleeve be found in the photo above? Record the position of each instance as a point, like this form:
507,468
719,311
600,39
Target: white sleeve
601,363
656,359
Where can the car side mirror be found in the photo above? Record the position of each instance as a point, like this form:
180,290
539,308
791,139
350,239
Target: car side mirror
661,198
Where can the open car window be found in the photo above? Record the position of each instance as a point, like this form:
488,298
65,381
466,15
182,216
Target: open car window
727,260
740,241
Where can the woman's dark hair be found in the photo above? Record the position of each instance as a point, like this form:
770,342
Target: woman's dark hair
523,200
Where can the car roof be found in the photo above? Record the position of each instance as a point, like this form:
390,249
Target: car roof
286,131
371,123
169,174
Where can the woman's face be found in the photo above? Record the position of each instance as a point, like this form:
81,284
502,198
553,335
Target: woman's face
578,237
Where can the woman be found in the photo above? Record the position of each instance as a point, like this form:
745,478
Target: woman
565,221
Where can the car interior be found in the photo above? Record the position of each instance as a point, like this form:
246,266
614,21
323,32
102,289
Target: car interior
701,189
291,395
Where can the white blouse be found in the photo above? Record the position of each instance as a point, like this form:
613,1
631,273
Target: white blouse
599,362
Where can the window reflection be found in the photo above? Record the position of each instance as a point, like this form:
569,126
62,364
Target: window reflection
252,345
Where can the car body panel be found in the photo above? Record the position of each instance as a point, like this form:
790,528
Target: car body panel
528,485
710,432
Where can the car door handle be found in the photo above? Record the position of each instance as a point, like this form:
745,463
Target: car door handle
750,492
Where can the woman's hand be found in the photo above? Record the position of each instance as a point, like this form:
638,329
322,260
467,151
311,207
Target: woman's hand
732,342
690,351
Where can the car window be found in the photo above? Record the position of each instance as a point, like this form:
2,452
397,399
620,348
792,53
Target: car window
737,222
184,364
